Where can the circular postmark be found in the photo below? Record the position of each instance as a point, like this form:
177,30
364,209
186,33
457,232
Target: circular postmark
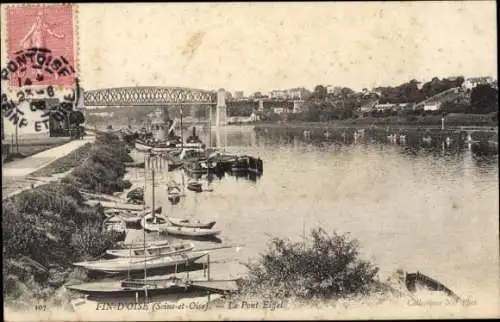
28,103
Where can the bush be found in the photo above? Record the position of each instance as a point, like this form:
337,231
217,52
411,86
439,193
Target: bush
51,227
105,168
327,267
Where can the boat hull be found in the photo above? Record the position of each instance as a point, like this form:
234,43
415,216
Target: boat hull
114,289
159,227
142,147
124,265
192,232
195,187
191,224
163,250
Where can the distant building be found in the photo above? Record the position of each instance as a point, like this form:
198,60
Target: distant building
279,94
434,106
388,106
472,82
333,90
238,95
289,94
298,93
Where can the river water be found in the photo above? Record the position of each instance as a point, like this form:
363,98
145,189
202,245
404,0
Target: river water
433,210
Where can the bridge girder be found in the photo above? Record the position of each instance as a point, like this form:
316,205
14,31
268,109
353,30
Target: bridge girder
148,96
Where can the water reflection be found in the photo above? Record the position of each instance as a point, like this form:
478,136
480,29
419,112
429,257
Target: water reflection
427,205
418,142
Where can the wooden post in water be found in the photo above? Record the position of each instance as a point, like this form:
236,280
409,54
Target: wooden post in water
210,127
182,137
208,267
153,191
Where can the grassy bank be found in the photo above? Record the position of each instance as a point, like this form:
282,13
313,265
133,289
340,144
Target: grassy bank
48,228
413,121
65,163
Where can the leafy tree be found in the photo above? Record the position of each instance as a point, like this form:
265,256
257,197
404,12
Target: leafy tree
320,92
484,99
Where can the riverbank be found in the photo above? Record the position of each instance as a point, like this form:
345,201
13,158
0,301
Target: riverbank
49,227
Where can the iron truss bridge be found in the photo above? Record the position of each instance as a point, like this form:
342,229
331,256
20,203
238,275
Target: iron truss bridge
144,96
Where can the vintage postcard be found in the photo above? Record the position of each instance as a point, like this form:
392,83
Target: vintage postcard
236,161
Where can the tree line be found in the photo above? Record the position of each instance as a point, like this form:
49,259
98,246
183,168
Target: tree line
345,103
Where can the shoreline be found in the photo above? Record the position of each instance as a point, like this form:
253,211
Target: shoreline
343,125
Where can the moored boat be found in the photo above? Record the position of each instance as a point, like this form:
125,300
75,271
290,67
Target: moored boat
123,265
192,223
154,223
195,186
174,197
137,287
142,146
151,251
150,243
131,287
196,167
241,164
255,165
191,232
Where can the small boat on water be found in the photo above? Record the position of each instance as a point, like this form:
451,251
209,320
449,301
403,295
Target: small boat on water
195,186
188,154
223,161
174,192
174,197
240,164
191,232
192,223
131,287
151,251
255,165
137,287
142,146
154,223
194,141
124,265
172,185
150,243
197,167
418,281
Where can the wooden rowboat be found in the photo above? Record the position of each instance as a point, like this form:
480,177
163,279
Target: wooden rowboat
161,250
192,232
191,223
195,186
134,265
157,223
142,147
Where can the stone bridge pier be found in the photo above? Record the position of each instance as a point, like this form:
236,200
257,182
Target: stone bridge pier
221,114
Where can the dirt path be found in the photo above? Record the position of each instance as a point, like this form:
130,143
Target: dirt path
16,174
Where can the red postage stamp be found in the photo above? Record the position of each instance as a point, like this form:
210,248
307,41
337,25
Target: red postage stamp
40,45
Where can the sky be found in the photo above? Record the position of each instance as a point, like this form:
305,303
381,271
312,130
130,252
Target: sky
265,46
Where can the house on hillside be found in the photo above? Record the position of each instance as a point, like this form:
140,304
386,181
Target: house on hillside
472,82
333,90
279,94
432,106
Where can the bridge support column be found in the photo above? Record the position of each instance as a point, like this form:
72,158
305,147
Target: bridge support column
261,105
221,114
